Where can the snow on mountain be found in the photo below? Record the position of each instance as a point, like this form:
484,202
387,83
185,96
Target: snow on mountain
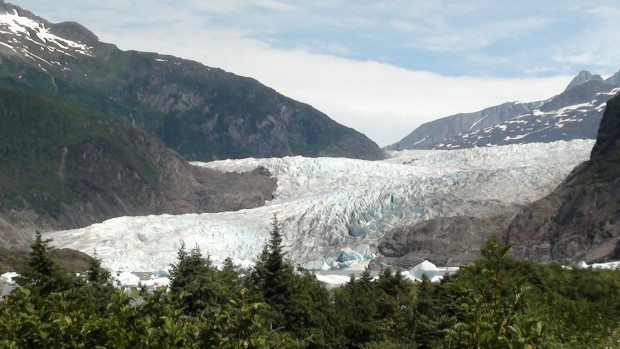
574,114
32,38
333,211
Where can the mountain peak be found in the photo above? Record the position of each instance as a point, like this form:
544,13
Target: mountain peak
200,112
614,79
74,31
25,34
582,77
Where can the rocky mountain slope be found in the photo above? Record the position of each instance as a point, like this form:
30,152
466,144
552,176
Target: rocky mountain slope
66,166
573,114
203,113
580,219
432,133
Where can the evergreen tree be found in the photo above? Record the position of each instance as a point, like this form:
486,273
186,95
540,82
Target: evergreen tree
42,271
272,274
299,303
357,307
278,272
96,275
194,281
493,305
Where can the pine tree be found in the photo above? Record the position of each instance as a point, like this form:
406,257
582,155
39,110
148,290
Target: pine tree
96,275
299,303
278,272
194,281
42,270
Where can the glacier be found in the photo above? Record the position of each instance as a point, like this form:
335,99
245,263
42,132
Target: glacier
334,212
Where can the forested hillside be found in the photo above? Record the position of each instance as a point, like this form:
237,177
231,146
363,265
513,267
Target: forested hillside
203,113
64,166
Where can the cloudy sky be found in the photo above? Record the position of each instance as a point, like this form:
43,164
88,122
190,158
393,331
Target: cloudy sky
381,67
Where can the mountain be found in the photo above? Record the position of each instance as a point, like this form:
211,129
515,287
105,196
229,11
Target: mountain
428,135
582,77
573,114
203,113
614,79
579,220
66,166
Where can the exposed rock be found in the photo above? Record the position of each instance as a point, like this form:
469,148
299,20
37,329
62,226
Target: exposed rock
71,260
443,241
614,79
430,134
582,77
580,219
574,114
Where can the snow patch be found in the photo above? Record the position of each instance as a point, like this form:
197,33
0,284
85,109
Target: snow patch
28,31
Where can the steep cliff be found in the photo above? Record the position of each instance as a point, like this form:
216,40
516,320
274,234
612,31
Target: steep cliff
580,219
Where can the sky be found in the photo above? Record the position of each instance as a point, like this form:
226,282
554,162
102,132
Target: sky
380,67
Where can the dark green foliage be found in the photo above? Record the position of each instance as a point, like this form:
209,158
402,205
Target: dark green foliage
195,283
376,313
494,303
42,271
298,303
203,113
273,273
95,274
44,141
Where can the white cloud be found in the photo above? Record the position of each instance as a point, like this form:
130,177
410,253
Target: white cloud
235,6
479,35
596,45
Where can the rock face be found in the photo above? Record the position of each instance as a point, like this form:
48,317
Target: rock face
580,219
201,112
443,241
614,79
63,166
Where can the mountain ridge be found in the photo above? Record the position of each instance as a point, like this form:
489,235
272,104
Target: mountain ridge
516,122
431,133
203,113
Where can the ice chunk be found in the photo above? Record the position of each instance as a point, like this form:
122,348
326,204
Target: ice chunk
126,279
9,278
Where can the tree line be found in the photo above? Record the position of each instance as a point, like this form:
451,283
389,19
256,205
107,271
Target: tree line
496,302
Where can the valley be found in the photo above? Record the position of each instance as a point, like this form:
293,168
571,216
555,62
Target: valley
334,212
148,200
